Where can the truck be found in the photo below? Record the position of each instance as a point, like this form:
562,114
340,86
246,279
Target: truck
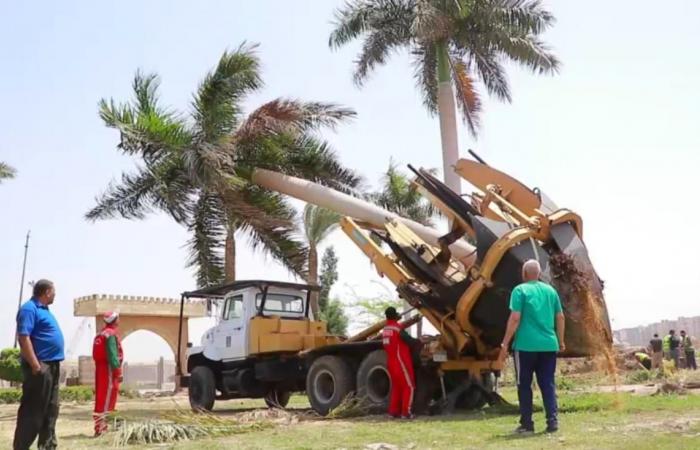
267,344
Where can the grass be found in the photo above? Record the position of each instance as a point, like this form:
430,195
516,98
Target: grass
588,420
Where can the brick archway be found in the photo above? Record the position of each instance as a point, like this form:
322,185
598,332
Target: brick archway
155,314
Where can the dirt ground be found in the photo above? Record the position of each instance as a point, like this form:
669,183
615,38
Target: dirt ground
626,416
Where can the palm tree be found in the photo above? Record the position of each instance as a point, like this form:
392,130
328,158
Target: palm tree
397,194
197,168
6,171
452,42
318,224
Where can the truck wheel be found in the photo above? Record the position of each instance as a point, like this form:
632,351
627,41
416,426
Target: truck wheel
277,398
373,383
202,389
328,383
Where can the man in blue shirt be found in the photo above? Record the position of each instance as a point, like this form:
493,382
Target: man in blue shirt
41,346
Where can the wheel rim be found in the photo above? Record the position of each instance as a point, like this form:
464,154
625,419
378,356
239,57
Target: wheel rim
378,384
324,385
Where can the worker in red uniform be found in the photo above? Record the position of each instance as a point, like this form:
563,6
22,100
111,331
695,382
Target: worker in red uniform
108,356
397,345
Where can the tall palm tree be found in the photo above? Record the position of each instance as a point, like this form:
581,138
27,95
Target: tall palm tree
318,224
452,43
197,168
6,171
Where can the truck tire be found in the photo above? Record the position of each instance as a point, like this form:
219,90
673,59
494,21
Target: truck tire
277,398
202,389
373,383
328,383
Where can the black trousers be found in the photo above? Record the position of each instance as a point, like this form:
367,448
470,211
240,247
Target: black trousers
38,409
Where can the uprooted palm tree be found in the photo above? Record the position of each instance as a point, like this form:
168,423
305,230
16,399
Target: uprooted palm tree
6,171
318,224
452,43
197,168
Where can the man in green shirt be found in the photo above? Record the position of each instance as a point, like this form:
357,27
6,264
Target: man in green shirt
537,322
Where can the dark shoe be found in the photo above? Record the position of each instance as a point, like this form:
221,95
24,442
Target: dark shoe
524,430
552,428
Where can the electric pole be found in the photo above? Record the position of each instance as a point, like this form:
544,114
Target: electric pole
21,284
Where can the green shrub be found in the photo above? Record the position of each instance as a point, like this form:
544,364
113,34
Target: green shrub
10,369
79,394
10,395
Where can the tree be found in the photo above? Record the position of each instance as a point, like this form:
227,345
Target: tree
6,171
318,224
329,275
331,311
397,194
452,43
197,168
373,308
10,369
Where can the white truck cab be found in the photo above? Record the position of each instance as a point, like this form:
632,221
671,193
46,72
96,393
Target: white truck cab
229,339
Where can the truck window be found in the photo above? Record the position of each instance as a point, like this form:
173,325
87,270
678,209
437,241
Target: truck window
281,303
233,309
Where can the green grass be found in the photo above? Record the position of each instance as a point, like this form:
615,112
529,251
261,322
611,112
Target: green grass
588,420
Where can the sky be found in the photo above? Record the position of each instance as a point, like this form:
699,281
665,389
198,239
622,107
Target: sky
613,137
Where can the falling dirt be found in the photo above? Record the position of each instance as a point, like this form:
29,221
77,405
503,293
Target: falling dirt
591,311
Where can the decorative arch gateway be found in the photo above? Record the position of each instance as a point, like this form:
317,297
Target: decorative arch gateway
158,315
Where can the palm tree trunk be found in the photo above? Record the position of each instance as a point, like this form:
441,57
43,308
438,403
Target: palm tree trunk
230,256
447,112
312,278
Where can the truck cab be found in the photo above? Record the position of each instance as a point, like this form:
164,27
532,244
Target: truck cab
254,350
230,339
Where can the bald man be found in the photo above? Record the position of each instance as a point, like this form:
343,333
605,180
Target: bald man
537,322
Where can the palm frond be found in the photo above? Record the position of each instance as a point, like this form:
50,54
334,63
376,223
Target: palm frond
208,228
145,87
313,159
217,102
291,116
132,199
318,223
147,133
270,223
530,52
491,72
467,96
527,15
425,74
6,171
377,47
358,17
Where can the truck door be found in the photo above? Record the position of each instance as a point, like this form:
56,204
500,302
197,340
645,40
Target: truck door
231,338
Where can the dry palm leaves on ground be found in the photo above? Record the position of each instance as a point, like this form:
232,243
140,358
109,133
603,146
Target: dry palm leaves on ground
179,426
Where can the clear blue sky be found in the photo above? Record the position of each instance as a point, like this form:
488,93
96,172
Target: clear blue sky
614,137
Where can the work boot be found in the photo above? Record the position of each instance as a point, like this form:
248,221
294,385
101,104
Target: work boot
552,427
522,430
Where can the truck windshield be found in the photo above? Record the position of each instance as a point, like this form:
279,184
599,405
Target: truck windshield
281,303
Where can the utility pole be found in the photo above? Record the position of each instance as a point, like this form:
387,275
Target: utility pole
21,285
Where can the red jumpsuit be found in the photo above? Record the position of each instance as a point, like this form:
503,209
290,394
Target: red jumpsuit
107,376
400,365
